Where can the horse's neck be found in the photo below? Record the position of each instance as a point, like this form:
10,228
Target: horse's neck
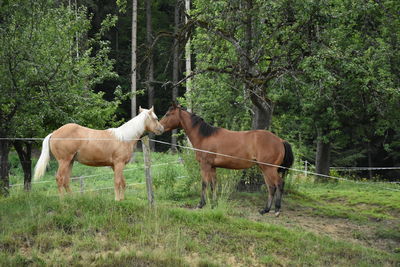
191,132
131,130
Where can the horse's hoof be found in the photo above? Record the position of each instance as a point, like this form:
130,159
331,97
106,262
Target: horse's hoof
277,213
262,212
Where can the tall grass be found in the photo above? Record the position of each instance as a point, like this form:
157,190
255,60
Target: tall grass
40,229
94,229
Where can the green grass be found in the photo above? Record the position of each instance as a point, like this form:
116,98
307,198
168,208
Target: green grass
40,229
358,202
95,229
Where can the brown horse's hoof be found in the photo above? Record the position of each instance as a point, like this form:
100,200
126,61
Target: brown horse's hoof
262,212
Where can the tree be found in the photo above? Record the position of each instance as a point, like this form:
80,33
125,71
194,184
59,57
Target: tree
150,63
133,58
327,61
175,65
43,82
351,75
254,42
188,56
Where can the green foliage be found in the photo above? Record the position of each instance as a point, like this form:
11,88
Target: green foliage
166,180
192,183
212,90
48,68
337,77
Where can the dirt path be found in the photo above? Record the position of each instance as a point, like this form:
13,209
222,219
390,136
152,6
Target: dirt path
337,228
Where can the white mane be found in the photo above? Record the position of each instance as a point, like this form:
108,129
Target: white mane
131,130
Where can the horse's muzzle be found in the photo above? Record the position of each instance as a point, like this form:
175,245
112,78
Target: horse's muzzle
159,130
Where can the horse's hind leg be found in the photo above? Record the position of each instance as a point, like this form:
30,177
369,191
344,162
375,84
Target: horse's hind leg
68,176
208,175
279,193
271,193
275,188
62,174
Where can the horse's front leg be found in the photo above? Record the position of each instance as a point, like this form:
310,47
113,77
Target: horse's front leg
212,177
208,175
203,195
119,181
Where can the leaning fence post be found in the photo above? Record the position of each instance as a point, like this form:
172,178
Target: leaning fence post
305,168
147,168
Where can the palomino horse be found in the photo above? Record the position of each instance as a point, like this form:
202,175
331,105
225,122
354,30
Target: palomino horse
242,149
112,147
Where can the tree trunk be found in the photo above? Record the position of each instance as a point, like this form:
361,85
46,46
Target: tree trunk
322,159
25,158
188,57
262,117
262,107
133,58
150,63
175,70
4,167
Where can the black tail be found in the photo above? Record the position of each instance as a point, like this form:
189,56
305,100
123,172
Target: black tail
287,159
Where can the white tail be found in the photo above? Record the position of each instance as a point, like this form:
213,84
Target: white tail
44,159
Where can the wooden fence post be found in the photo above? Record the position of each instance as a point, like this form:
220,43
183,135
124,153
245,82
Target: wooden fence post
147,168
305,168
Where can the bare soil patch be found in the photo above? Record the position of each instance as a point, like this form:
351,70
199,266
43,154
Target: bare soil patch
336,228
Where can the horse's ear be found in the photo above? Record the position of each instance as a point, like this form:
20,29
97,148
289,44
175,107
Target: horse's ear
152,109
140,109
174,104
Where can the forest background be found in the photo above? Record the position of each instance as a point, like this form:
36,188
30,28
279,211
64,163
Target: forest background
322,74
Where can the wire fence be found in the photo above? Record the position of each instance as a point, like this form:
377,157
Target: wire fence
364,168
306,171
100,174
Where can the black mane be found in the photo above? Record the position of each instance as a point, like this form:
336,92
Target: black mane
205,129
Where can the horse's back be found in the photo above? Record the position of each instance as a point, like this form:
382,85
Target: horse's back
73,130
252,145
258,145
249,138
89,146
66,140
67,130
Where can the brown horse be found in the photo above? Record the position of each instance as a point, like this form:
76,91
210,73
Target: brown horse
243,149
112,147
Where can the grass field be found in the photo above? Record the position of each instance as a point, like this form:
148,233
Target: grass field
339,224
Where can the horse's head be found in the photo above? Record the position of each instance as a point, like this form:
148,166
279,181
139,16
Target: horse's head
171,119
151,123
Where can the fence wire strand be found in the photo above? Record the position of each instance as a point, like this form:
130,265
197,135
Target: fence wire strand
100,174
217,154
